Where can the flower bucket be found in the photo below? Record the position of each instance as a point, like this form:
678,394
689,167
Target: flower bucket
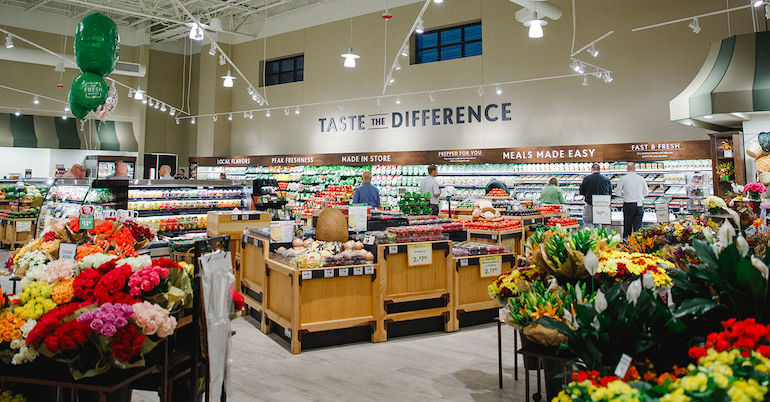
530,363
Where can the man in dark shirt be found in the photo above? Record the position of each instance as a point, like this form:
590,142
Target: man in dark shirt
366,193
593,184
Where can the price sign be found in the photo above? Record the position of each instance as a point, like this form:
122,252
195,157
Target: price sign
494,237
344,271
601,207
661,212
357,214
491,266
369,270
358,271
328,273
623,365
67,251
282,231
419,254
464,262
307,275
369,240
86,222
392,249
23,226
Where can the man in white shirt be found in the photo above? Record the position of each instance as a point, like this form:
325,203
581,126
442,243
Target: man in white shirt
164,173
632,188
430,185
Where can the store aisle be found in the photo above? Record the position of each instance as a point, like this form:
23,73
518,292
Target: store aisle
460,366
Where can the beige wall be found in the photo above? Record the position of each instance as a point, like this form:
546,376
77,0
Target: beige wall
650,68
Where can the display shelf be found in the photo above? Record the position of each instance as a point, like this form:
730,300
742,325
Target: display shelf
471,282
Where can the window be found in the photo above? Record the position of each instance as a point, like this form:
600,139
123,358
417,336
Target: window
448,43
283,71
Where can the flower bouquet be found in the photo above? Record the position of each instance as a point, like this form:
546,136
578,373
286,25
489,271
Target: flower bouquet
725,171
624,266
755,191
714,205
562,254
512,283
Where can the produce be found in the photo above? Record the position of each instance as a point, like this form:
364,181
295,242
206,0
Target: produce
497,192
309,254
498,226
416,233
465,248
562,222
332,226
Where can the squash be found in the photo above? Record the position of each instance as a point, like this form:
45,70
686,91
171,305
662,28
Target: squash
332,226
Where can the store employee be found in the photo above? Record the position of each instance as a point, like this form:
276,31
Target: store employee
632,188
366,193
430,185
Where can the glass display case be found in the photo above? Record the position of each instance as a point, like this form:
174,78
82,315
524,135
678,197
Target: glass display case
64,199
102,166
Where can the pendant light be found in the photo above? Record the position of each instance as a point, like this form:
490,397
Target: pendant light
535,27
350,57
228,80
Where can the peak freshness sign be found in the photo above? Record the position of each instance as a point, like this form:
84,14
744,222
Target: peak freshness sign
447,116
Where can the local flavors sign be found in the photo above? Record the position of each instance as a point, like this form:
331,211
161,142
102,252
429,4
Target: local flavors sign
447,116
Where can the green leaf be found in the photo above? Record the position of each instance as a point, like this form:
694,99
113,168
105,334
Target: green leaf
696,306
751,278
704,251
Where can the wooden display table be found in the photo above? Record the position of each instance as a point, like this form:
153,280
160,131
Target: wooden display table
220,223
253,263
512,239
411,290
17,231
472,276
321,299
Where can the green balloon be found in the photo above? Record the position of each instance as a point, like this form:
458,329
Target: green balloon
77,109
89,90
97,44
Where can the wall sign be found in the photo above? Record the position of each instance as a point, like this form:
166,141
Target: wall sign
641,151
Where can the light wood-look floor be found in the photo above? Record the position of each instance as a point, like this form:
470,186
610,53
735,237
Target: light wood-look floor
459,366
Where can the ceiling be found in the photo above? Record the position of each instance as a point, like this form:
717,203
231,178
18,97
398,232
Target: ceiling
163,19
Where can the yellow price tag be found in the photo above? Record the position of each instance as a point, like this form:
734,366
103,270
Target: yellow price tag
490,266
419,254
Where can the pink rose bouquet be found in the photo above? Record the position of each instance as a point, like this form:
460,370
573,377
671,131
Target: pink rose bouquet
146,279
57,270
108,318
755,188
153,319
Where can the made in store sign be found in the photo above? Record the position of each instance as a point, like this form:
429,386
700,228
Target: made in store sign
446,116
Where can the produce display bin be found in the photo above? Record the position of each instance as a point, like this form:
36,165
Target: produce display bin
409,291
526,222
220,223
321,299
18,231
253,260
472,276
512,239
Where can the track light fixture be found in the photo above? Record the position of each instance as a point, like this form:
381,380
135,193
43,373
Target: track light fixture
432,96
391,80
8,41
215,118
157,105
36,100
405,51
296,111
245,115
149,102
144,101
18,112
267,113
499,89
608,77
592,51
694,25
230,117
398,65
172,111
139,94
192,121
438,1
585,80
212,50
162,107
66,108
398,100
177,121
130,93
64,117
480,90
420,29
286,111
222,60
759,3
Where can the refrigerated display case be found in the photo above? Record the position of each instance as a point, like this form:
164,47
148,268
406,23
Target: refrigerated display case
102,166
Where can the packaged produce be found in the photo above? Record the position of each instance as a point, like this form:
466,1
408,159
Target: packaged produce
493,226
416,233
463,249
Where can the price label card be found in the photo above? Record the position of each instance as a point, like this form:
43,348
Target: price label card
235,217
601,209
86,222
369,240
392,249
307,275
357,215
464,262
491,266
494,237
623,365
344,271
661,212
23,226
419,254
328,273
67,251
358,271
369,270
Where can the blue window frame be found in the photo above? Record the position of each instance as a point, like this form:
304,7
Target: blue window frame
448,43
286,70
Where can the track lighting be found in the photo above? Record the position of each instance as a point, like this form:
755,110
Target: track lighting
66,108
172,111
245,115
157,105
215,118
379,101
59,67
8,41
438,1
267,113
480,91
350,58
405,51
36,100
222,60
296,111
230,117
162,107
420,28
212,50
499,90
64,117
130,93
432,96
196,32
535,27
391,80
592,51
144,101
177,121
192,121
18,112
759,3
608,77
585,80
228,80
694,25
398,100
149,102
398,65
139,94
286,111
340,107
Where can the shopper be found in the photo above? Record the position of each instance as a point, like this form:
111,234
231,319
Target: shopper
121,172
366,193
632,188
495,183
180,175
430,185
164,173
552,194
77,171
222,176
593,184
